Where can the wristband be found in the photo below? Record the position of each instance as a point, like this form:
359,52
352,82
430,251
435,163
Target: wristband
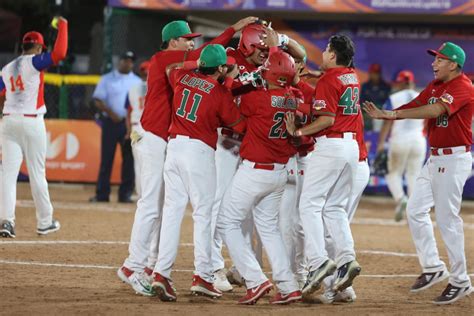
298,133
283,39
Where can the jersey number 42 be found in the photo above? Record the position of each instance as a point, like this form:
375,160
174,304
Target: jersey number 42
350,101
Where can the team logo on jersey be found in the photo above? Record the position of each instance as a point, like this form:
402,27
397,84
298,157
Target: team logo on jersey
447,98
319,104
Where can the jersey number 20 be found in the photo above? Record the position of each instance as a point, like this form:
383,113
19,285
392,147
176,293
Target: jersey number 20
192,116
350,101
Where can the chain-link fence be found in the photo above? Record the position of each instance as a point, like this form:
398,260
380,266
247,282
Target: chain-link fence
69,96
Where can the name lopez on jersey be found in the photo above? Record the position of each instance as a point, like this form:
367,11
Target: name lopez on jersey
283,102
199,83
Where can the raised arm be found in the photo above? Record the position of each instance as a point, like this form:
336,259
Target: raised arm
46,60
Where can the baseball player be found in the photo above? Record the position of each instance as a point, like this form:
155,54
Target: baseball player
360,181
404,159
259,182
200,105
134,104
447,102
250,54
24,132
177,47
329,177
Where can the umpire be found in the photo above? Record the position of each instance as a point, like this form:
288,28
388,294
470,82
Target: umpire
109,97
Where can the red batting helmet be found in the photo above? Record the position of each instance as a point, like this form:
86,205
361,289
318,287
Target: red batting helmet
250,38
279,69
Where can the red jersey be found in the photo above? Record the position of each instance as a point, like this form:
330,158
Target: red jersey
265,140
304,94
452,128
156,116
337,95
244,66
200,106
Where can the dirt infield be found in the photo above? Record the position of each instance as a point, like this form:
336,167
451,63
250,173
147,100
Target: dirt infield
73,271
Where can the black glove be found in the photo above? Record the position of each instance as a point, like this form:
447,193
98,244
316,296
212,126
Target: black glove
379,166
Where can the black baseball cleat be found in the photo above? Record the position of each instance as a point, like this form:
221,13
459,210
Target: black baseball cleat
55,226
316,277
428,279
345,275
451,294
7,230
96,199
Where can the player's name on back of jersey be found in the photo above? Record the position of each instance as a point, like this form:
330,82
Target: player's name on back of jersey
199,83
283,102
348,79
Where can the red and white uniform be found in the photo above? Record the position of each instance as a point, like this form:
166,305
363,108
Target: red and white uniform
441,181
330,174
227,160
151,148
200,106
24,131
258,186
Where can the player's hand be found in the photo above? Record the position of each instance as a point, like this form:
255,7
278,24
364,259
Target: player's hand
269,38
233,72
290,123
376,113
244,22
311,73
55,21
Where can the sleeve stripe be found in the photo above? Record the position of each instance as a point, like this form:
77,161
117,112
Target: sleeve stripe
236,122
325,113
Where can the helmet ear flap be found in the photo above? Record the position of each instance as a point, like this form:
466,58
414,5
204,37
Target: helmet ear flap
250,38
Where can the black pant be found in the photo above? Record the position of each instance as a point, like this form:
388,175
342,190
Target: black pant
113,133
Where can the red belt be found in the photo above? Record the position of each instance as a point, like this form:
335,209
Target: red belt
264,166
339,135
445,151
231,134
25,115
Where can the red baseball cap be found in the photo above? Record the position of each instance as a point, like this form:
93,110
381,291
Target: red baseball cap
375,68
34,37
405,76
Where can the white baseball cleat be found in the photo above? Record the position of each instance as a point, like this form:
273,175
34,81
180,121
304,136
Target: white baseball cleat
346,296
139,281
220,281
452,293
55,226
346,275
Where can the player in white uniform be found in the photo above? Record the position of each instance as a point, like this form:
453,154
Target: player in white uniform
135,103
404,158
24,131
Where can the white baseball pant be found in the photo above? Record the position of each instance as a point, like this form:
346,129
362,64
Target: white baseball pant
289,217
325,197
257,191
440,184
404,158
25,136
136,161
361,179
150,152
190,174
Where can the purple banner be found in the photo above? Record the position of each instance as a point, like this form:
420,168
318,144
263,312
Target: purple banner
342,6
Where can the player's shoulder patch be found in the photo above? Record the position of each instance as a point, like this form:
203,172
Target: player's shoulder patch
446,98
319,104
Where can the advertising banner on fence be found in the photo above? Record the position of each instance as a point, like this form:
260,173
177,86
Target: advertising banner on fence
343,6
73,152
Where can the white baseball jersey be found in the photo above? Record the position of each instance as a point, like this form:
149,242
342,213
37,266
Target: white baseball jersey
136,99
404,129
24,85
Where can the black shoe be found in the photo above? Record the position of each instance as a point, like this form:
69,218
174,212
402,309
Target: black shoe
452,293
7,230
126,200
427,280
345,275
55,226
316,277
95,199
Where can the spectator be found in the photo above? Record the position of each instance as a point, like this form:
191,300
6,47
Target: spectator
375,90
109,97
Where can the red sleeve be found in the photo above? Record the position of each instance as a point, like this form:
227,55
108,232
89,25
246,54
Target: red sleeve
222,39
326,98
228,111
247,104
306,89
305,108
456,97
60,46
175,75
420,100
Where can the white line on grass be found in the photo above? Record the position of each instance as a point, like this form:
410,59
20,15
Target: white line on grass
91,266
